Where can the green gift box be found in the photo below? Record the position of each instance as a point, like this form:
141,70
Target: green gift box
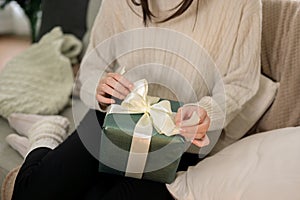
163,156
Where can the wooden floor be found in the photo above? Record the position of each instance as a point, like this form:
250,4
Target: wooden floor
10,46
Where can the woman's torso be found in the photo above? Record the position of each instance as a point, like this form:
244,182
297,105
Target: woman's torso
210,25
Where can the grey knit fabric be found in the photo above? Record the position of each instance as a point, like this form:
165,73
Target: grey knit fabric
39,80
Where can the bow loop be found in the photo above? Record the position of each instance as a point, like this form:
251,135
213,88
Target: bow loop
138,101
141,88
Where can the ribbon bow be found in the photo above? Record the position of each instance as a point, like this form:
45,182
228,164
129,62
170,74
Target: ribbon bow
158,114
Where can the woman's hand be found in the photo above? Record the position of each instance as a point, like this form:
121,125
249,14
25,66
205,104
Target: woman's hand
113,85
195,133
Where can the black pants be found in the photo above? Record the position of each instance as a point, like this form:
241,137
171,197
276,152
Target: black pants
71,172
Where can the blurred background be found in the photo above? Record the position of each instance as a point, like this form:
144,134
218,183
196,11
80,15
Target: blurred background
15,33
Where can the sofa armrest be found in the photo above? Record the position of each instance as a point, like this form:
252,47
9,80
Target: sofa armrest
281,61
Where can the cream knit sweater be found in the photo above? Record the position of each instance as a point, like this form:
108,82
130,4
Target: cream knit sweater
228,30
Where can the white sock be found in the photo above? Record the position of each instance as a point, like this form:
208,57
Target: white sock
23,122
19,143
48,133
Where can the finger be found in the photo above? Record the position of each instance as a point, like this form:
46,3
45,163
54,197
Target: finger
204,126
187,112
202,114
122,80
105,100
206,140
194,136
117,86
201,143
100,85
199,129
182,114
178,116
108,90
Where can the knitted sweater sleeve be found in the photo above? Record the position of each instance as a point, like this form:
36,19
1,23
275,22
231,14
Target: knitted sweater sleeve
98,57
241,81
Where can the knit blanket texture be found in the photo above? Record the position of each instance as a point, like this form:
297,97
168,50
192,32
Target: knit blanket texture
40,80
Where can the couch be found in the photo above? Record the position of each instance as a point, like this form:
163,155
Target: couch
280,62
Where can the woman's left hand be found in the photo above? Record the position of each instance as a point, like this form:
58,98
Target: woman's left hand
195,133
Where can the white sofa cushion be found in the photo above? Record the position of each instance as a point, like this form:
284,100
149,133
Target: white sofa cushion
253,109
263,166
251,112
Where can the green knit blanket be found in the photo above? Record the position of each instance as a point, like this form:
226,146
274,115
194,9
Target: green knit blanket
40,80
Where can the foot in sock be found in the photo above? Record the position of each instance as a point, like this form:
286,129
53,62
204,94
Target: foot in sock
23,122
48,132
19,143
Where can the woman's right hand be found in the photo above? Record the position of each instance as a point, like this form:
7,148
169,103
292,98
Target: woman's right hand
113,85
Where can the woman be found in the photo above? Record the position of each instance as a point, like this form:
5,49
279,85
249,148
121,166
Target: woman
229,31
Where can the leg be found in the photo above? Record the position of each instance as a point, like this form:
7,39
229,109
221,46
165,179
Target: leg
122,188
66,172
135,189
187,160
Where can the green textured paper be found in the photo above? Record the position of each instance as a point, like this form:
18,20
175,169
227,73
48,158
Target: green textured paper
118,130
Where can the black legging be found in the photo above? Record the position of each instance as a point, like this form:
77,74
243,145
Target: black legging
71,172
